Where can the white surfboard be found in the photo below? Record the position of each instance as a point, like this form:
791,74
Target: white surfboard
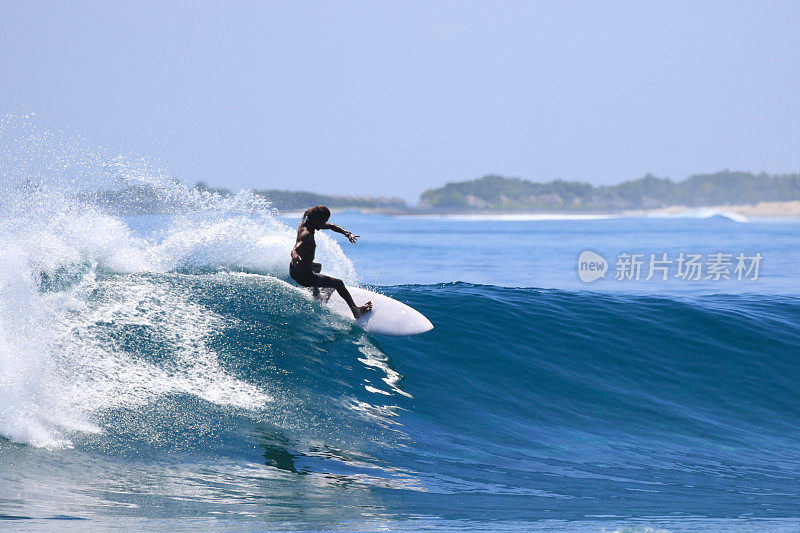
388,316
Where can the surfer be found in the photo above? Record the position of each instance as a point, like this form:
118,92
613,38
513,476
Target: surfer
305,271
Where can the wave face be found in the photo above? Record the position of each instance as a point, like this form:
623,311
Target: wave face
160,374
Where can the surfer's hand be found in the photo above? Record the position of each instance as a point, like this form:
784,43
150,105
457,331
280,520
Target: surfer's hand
352,238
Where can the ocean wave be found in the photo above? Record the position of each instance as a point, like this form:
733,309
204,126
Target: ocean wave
61,251
186,345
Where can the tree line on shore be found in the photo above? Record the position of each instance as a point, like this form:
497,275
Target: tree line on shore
495,192
499,193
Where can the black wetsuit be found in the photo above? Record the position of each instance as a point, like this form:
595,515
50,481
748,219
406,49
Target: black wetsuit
309,278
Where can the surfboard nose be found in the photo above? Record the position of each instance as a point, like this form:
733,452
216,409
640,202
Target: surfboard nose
428,325
388,316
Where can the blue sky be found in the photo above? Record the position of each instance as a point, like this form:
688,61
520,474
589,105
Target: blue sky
391,98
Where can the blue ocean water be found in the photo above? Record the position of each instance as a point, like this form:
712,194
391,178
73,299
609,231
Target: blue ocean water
542,250
162,372
189,385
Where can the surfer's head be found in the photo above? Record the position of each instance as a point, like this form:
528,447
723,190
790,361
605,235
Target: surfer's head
316,217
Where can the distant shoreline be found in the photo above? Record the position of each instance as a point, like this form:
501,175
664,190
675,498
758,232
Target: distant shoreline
789,209
737,192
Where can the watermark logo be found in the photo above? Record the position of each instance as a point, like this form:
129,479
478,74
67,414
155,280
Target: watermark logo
591,266
685,266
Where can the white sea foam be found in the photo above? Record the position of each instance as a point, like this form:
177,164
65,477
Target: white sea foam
58,257
183,329
701,212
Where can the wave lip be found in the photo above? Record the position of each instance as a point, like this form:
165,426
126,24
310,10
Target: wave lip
58,364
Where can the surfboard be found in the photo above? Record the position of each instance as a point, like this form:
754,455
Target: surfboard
388,316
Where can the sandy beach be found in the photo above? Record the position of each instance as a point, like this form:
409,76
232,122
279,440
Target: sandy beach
758,210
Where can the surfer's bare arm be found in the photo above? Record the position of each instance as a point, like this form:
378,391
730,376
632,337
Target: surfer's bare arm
338,229
297,258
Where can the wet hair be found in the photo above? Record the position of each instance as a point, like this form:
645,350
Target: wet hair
319,212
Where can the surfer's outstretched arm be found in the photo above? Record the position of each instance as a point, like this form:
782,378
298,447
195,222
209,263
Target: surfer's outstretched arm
338,229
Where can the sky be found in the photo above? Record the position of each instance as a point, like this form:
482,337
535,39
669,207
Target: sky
391,98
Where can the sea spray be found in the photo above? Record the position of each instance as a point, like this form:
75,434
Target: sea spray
62,246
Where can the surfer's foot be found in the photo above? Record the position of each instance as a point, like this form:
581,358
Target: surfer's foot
358,312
